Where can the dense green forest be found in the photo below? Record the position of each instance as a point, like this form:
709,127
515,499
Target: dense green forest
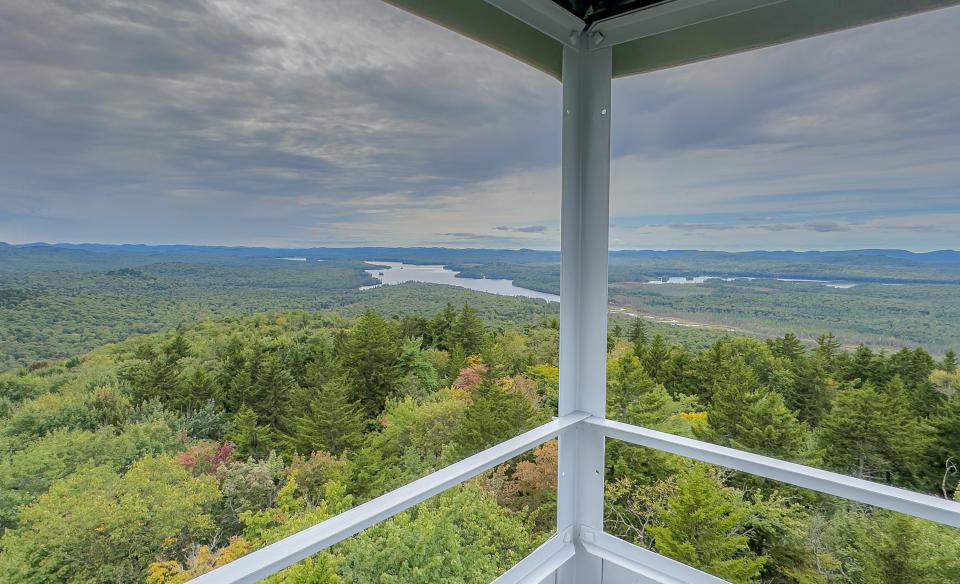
58,301
893,302
162,456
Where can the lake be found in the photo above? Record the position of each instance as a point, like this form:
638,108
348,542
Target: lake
703,279
398,273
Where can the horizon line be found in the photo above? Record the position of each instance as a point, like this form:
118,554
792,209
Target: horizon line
447,247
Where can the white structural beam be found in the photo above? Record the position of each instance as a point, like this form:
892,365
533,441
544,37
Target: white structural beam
585,218
542,562
831,483
290,550
546,16
669,16
686,31
644,566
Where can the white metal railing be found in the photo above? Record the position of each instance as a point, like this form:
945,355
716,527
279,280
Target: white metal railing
563,545
822,481
290,550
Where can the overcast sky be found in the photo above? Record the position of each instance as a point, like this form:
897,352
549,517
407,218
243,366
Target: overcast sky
348,122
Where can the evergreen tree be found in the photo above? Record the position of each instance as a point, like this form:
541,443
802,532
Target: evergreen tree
239,392
233,365
163,378
633,397
747,415
456,362
808,391
326,419
197,390
494,415
679,373
627,382
441,328
871,434
638,333
417,327
864,366
788,347
949,363
371,360
468,331
942,457
178,348
251,438
654,356
274,389
419,376
702,527
827,348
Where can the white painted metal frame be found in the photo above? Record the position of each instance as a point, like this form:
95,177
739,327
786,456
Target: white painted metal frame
831,483
645,566
584,247
290,550
546,16
543,561
668,16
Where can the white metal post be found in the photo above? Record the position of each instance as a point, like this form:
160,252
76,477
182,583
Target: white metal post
585,217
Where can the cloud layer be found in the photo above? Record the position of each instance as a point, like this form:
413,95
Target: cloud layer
346,122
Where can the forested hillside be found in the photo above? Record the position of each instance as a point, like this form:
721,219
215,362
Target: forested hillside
58,301
163,456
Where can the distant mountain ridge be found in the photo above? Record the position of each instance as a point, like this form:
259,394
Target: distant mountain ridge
931,257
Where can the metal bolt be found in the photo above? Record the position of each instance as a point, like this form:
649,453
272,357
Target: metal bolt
574,37
597,38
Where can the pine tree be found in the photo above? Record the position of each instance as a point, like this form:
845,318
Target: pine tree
702,527
178,348
441,327
808,392
679,373
654,356
251,438
827,349
326,419
638,334
788,347
232,365
468,331
163,376
871,434
197,390
627,382
239,392
635,398
371,360
419,376
864,366
949,363
494,415
748,415
456,362
274,389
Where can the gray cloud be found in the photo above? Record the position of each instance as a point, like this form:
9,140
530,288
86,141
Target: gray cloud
701,226
525,229
350,122
825,226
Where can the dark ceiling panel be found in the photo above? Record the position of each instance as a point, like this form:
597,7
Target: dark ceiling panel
593,10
